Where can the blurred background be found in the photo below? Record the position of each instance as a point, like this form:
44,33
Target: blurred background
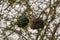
18,19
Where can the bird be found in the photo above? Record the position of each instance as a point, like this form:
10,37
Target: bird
36,23
22,21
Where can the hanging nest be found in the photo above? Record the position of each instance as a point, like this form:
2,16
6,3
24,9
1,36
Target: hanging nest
22,21
36,23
